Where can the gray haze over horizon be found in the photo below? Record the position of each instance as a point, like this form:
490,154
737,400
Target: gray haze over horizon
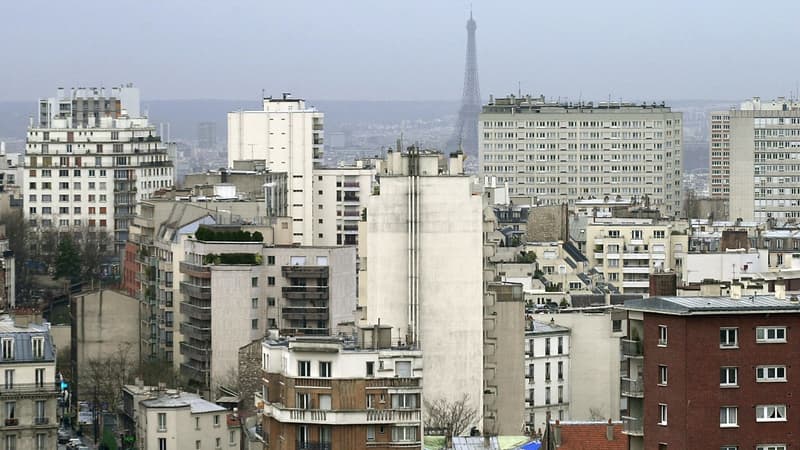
401,50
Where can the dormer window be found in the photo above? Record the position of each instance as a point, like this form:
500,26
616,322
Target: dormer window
38,347
8,348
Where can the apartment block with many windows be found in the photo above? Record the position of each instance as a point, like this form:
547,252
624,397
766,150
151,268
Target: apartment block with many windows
546,373
558,153
716,367
322,393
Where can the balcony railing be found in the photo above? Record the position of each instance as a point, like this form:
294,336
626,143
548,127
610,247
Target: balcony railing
29,389
305,292
632,426
195,270
201,332
313,446
196,312
406,382
631,388
631,348
193,290
305,271
195,373
41,421
197,353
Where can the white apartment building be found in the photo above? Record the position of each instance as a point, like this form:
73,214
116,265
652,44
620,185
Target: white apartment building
92,173
422,269
175,420
340,194
546,372
29,395
561,152
627,251
764,161
720,155
288,136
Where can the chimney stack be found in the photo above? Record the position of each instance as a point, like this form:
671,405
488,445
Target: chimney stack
609,431
736,290
557,432
780,289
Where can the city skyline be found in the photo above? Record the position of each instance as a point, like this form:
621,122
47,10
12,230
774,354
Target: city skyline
216,51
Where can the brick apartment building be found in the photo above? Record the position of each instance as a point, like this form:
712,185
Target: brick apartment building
711,372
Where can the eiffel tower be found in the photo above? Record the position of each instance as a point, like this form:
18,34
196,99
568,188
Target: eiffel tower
466,132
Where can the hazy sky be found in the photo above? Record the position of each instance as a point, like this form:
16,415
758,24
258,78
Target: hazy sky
395,50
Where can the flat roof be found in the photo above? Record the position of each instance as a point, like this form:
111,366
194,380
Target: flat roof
748,304
184,399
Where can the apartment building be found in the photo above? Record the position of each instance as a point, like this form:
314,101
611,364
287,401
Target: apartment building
171,419
29,394
91,169
288,135
340,195
720,155
764,142
546,373
325,393
627,251
735,396
421,266
234,291
558,153
8,286
10,173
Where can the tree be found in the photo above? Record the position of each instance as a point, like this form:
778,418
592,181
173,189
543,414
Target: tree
95,249
17,234
104,377
453,418
68,260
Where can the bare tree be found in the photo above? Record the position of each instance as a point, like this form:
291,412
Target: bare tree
103,377
453,418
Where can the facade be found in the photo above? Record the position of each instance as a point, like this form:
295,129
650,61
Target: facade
558,153
84,106
288,135
734,396
30,394
627,251
422,267
8,286
182,421
720,155
91,171
323,393
764,146
340,195
547,372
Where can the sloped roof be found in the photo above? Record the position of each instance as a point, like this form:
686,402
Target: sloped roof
591,436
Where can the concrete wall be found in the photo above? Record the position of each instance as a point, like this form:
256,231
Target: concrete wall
742,198
594,375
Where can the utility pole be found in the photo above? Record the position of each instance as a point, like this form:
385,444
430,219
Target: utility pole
94,415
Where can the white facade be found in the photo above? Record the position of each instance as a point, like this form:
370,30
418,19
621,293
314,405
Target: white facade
93,176
547,372
724,266
288,136
183,421
557,153
340,194
424,273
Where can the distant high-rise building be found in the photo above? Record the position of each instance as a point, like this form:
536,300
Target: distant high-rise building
207,135
83,106
90,167
759,145
562,152
288,136
466,132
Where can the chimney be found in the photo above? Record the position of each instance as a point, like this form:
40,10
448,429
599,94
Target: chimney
557,432
780,289
609,431
736,290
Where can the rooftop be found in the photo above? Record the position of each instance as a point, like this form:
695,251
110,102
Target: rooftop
713,305
591,435
547,327
182,400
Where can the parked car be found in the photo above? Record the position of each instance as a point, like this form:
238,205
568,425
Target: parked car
63,436
74,444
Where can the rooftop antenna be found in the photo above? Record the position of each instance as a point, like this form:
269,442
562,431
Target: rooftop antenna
519,89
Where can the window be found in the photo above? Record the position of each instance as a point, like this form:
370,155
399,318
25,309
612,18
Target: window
728,337
11,442
254,282
370,401
771,413
232,437
8,348
254,303
662,414
325,369
216,420
770,447
196,423
162,443
402,368
218,442
303,368
325,401
400,434
770,374
662,335
729,447
370,368
270,301
38,347
770,334
728,376
11,410
547,395
9,378
560,371
39,376
547,371
370,432
404,401
197,445
662,375
727,416
40,411
162,421
271,281
547,346
271,260
41,441
560,345
253,324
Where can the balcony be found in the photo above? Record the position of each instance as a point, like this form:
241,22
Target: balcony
313,446
196,353
196,291
196,312
631,388
343,417
305,292
41,421
29,389
632,426
12,422
631,349
202,332
198,374
305,271
195,270
400,382
635,284
293,313
636,269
